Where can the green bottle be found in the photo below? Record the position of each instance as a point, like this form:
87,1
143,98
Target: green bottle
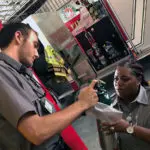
103,93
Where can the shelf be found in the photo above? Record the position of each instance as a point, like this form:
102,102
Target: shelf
110,69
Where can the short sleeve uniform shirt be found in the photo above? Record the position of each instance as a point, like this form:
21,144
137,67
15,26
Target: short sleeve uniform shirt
18,96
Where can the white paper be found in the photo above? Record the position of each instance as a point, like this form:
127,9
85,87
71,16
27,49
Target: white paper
105,113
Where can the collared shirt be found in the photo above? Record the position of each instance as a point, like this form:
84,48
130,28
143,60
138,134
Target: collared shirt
19,95
139,112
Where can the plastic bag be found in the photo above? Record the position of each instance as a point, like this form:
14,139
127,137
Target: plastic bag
105,113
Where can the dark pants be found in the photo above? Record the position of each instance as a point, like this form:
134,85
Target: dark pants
62,146
59,145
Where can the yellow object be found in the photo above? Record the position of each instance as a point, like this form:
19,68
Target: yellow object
54,59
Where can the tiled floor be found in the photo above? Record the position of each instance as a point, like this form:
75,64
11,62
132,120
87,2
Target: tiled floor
87,129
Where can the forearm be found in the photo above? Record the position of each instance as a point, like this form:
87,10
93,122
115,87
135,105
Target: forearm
49,125
142,133
37,129
122,125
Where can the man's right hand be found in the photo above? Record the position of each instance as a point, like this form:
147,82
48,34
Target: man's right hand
88,96
38,129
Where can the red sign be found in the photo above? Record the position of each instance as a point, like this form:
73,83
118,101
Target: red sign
73,23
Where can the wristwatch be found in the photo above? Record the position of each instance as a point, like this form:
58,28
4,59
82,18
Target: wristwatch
130,129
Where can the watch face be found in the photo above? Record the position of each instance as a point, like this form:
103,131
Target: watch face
130,129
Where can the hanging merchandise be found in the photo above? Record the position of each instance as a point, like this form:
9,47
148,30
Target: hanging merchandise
99,54
85,2
90,53
54,59
96,10
111,51
89,37
95,53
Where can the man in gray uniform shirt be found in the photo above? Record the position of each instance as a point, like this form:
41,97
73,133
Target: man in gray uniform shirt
23,123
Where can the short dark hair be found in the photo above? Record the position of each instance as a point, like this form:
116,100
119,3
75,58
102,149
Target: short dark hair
136,69
8,31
